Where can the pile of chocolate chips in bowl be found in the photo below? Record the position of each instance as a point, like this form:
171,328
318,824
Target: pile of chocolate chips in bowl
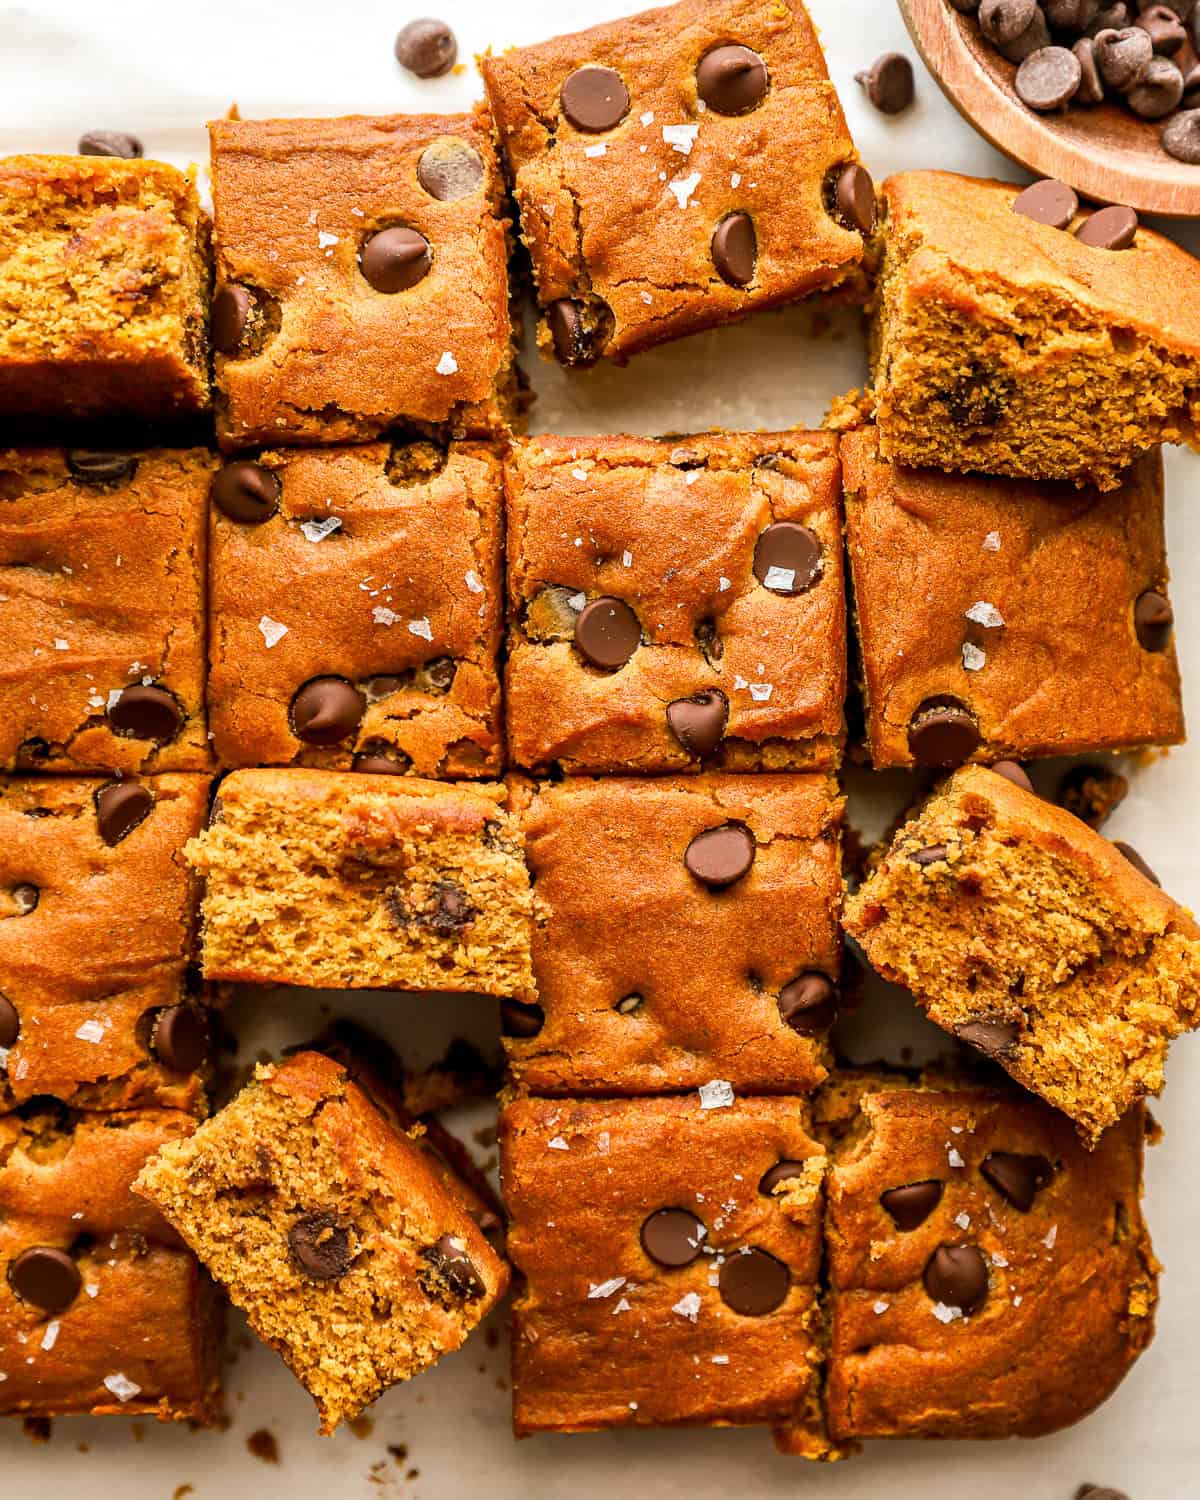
1071,53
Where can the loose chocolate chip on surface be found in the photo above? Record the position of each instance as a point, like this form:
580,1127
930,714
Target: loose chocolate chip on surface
1006,20
326,711
889,83
110,143
520,1020
25,898
782,1171
672,1237
1123,57
1048,202
231,309
94,466
607,633
732,79
719,857
698,722
46,1277
449,1258
934,854
1109,229
910,1205
992,1038
787,558
753,1283
320,1246
735,249
1091,85
1136,860
395,259
1019,1179
809,1003
942,732
120,807
1048,78
246,492
180,1038
10,1022
594,99
426,47
1153,621
1181,137
957,1276
854,198
1035,36
1013,772
146,712
1159,92
449,170
1162,25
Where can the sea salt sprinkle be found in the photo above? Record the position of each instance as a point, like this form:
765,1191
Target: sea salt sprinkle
973,659
598,150
272,632
473,582
122,1387
680,138
684,187
422,628
688,1306
317,531
779,578
447,365
953,1157
880,1308
90,1031
556,1143
601,1289
716,1095
985,614
946,1314
991,542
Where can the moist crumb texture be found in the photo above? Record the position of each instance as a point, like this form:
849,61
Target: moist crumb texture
102,1310
648,980
384,565
102,599
347,1249
337,880
1018,601
721,555
308,349
1005,346
104,284
660,213
1031,937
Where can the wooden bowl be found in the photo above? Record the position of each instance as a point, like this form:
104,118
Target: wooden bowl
1103,151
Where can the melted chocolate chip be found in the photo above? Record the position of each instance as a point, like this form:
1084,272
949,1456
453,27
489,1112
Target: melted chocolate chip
673,1237
993,1038
732,80
719,857
25,898
449,1260
395,259
910,1205
146,712
607,633
854,198
231,309
699,722
594,99
1013,772
942,732
326,711
932,854
449,170
97,466
787,558
10,1023
1016,1178
577,344
180,1038
520,1020
1153,621
782,1171
735,249
246,492
320,1246
120,807
809,1003
957,1276
753,1283
46,1277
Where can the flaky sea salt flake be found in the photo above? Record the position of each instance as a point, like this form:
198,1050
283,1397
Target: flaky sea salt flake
447,365
779,578
600,1289
985,614
122,1387
272,632
680,138
684,187
717,1094
973,659
421,627
317,531
556,1143
991,542
946,1314
761,691
955,1158
688,1306
91,1031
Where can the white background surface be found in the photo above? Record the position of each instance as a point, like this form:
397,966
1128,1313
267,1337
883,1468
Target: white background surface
161,69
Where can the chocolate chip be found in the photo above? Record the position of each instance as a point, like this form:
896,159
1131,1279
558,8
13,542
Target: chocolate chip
854,198
1110,18
607,633
993,1038
95,466
910,1205
1123,57
10,1023
1191,88
1159,92
732,80
1048,78
1006,20
673,1237
809,1003
1136,860
1091,85
46,1277
978,398
427,48
109,143
752,1282
1035,36
447,910
120,807
787,558
719,857
782,1171
520,1020
146,712
246,492
1048,202
594,99
1100,1492
395,259
1153,621
699,722
571,344
1166,31
1109,229
735,249
320,1246
378,758
1070,15
180,1038
889,83
449,170
449,1259
957,1276
935,854
1011,771
326,711
231,309
1181,138
1092,793
942,732
31,754
25,898
1019,1179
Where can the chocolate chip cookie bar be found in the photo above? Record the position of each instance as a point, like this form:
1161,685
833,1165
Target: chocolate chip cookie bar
634,881
102,561
669,1251
675,603
1007,344
104,283
356,598
96,927
351,1254
677,170
988,1277
1003,618
1036,941
362,281
341,881
102,1310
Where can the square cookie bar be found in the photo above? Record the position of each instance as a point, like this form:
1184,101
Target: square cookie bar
97,913
104,280
684,929
669,1250
356,598
677,170
350,1252
1036,941
674,602
1004,344
102,560
988,1276
1006,618
102,1310
362,279
339,881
